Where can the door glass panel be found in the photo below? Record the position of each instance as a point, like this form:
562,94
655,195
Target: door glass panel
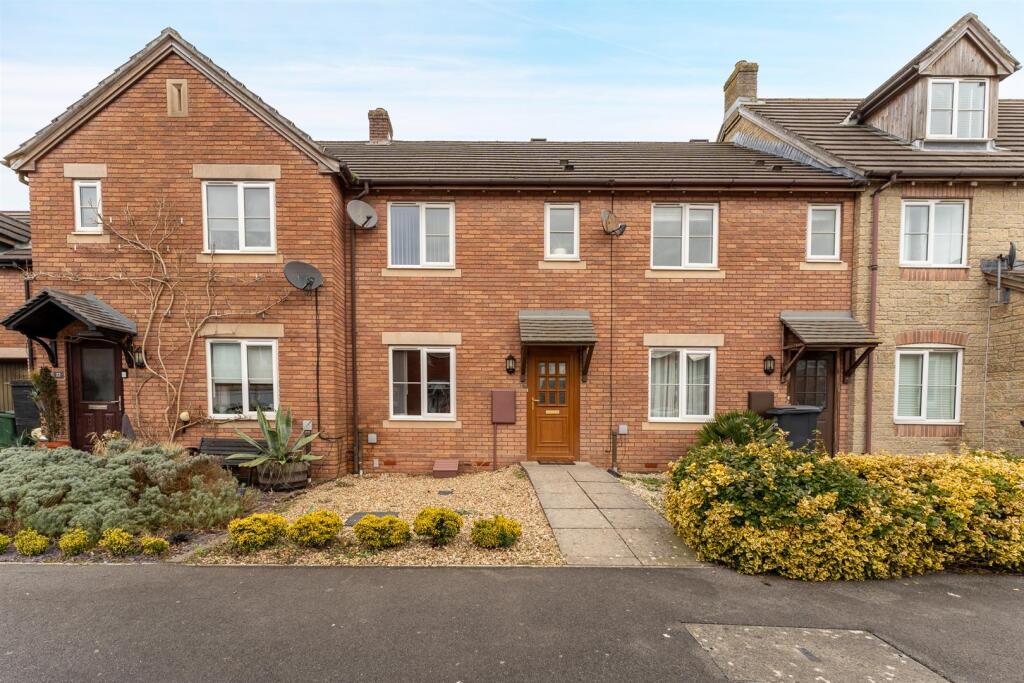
98,374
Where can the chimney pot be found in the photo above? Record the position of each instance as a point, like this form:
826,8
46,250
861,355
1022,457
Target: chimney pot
381,132
741,86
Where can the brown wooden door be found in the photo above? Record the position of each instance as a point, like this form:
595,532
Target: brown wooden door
96,392
553,423
812,383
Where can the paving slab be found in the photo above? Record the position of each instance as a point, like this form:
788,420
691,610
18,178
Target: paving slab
592,487
577,519
556,501
634,518
622,499
548,486
587,472
659,547
595,547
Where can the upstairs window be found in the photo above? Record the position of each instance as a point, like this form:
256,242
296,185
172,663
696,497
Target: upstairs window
242,377
681,385
421,235
562,232
88,207
823,232
684,236
928,384
422,383
239,216
956,109
934,233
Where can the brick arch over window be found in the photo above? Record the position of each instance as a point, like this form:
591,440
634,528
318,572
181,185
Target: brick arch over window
932,337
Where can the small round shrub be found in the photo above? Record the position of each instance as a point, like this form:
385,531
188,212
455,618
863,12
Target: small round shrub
257,531
316,529
377,533
74,542
496,532
5,541
440,525
154,545
30,542
117,542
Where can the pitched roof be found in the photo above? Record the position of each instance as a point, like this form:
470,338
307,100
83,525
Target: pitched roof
13,230
821,122
827,328
51,310
167,43
543,163
554,326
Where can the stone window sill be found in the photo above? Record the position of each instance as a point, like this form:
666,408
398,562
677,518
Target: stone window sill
421,272
562,265
239,258
88,238
824,265
422,424
671,426
684,274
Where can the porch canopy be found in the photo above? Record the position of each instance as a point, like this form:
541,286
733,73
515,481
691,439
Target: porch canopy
42,317
558,327
839,331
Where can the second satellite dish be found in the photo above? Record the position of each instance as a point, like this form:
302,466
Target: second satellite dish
361,213
611,223
304,276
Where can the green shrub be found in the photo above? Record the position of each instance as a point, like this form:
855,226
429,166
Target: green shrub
496,532
154,545
74,542
117,542
739,427
769,509
143,489
377,533
316,529
30,542
440,525
257,531
5,541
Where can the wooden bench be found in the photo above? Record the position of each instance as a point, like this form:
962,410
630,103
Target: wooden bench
221,448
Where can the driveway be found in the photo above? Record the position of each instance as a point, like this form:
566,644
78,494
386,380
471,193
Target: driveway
162,622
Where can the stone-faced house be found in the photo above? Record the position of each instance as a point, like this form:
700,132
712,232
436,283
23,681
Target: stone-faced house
943,159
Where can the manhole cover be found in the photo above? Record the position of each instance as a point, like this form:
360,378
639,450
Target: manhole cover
359,515
814,655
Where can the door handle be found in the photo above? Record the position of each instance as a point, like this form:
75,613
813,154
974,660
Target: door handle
120,407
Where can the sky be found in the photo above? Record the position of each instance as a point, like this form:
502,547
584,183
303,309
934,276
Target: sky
481,69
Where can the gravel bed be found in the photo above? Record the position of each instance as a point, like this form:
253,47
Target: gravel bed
482,494
650,487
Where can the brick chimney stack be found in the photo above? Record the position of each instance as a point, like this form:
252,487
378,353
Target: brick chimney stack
380,126
741,86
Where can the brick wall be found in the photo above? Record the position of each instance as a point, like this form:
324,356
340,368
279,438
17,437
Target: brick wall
12,295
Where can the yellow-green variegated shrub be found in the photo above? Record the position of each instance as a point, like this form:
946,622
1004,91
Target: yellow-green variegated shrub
766,508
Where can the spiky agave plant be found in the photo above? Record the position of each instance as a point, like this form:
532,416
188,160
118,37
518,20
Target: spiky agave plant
276,451
739,427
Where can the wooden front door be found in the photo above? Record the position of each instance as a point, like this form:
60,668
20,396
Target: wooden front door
553,416
95,389
812,383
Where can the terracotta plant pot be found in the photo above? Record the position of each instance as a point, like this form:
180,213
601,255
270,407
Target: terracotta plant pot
56,443
292,475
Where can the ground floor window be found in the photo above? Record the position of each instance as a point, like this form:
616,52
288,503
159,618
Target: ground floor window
422,382
682,384
928,384
242,376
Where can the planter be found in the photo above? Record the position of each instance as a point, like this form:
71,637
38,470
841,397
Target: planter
56,443
292,475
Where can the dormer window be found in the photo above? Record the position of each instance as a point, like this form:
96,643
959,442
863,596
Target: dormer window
957,109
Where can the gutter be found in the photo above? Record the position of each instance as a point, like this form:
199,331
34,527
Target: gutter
873,311
838,184
948,174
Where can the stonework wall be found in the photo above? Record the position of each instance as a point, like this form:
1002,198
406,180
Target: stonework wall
1004,397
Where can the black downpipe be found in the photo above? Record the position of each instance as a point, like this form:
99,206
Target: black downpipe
357,446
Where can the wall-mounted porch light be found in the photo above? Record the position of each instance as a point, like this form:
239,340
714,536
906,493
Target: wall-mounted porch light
510,364
138,357
769,364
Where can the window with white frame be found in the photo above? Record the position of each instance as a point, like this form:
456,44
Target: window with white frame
242,376
957,109
239,216
934,233
562,232
421,235
422,382
684,236
88,207
682,384
823,232
928,384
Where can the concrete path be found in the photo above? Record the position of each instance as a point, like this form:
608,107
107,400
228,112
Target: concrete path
599,522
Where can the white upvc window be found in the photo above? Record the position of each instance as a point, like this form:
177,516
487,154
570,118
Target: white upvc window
684,236
88,206
681,384
239,216
421,235
957,109
422,381
242,375
562,232
928,384
823,232
933,233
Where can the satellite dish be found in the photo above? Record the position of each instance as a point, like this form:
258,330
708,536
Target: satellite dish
303,276
611,223
1011,258
362,214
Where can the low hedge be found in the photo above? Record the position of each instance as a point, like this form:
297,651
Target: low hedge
765,508
378,533
257,531
440,525
316,529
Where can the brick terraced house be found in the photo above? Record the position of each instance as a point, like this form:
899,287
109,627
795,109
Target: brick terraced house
512,300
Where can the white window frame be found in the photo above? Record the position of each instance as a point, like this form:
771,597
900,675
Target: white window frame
956,110
575,256
931,204
88,230
240,186
924,350
423,206
685,265
683,351
835,256
246,414
423,351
